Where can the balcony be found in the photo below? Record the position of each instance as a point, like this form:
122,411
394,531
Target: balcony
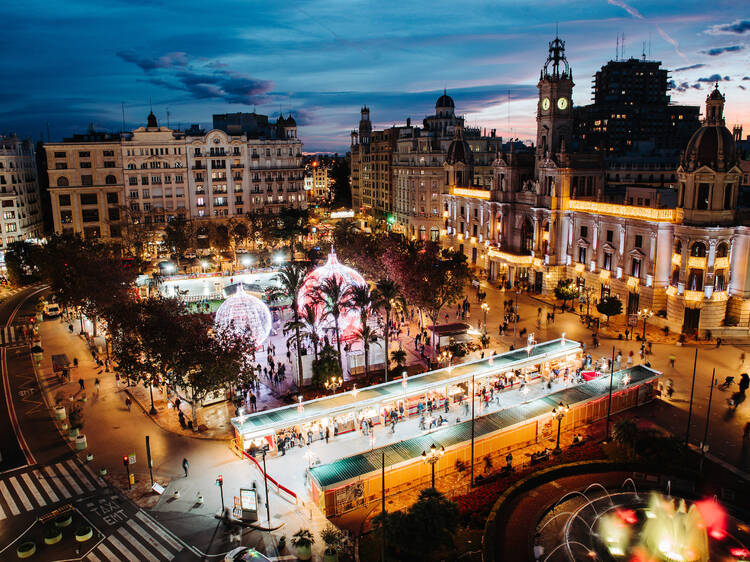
238,165
696,262
721,263
198,167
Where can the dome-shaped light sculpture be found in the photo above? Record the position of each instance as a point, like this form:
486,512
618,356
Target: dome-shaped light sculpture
244,312
349,321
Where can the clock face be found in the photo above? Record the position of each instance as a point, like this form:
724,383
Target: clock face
545,104
562,103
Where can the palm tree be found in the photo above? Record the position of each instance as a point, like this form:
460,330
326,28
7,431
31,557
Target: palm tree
359,297
308,324
399,356
291,278
387,296
368,336
332,294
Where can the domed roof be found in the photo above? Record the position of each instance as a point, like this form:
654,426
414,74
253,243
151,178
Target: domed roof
459,151
151,120
707,145
244,312
716,94
445,101
290,122
349,321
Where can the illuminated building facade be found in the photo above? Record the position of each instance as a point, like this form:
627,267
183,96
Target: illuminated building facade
681,252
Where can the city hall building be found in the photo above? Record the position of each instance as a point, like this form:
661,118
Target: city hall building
679,250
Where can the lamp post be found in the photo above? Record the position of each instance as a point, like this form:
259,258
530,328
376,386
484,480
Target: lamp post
587,291
433,457
645,314
334,383
485,308
559,413
515,317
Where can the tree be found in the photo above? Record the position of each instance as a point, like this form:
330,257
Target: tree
359,297
609,306
238,232
21,261
388,296
368,336
326,366
292,222
292,277
428,525
332,293
566,290
308,321
179,235
218,235
399,357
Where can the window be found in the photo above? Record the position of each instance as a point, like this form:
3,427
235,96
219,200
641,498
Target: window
110,180
9,215
64,200
85,164
11,227
134,194
90,215
84,154
62,182
109,164
581,254
87,180
113,198
132,180
60,166
89,199
145,194
584,231
722,250
108,153
113,214
702,202
728,196
608,261
59,155
636,267
610,235
720,283
638,241
144,180
66,217
698,250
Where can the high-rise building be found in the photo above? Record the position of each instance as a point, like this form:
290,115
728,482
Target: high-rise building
631,106
20,211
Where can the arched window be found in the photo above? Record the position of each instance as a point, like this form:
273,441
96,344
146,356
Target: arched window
698,250
434,234
527,235
62,182
722,250
110,180
678,247
728,196
422,233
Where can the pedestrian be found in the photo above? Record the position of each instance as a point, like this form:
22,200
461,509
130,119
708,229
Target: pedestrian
253,400
117,379
672,359
70,328
718,342
96,384
128,403
81,383
185,466
75,361
328,434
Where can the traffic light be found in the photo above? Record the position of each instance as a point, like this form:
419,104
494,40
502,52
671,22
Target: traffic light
125,460
220,480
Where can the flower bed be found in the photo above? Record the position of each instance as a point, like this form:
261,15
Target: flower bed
475,506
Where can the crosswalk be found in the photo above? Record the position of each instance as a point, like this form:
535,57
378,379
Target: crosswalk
139,539
37,487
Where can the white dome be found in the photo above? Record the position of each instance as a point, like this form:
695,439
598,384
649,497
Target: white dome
244,312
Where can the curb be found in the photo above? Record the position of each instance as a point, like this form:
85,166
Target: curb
155,420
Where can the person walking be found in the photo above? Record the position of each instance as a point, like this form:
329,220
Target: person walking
128,403
672,359
81,384
96,385
185,465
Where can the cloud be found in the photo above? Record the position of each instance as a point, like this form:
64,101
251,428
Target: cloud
691,67
629,9
737,27
201,78
714,78
681,87
746,77
148,64
716,51
741,87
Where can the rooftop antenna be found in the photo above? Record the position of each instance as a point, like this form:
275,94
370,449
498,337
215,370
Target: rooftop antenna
122,104
509,109
622,46
617,48
643,51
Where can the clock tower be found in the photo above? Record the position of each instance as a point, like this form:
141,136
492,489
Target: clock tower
554,116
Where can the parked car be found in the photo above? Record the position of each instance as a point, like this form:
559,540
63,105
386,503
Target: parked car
242,553
52,309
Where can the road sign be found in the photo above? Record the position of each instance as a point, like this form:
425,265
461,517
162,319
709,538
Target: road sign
132,458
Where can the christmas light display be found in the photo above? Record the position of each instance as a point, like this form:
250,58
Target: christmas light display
242,312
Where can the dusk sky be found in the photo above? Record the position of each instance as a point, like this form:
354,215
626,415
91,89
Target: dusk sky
73,63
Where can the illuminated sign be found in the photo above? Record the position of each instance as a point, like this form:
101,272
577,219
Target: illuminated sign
248,499
342,214
626,211
467,192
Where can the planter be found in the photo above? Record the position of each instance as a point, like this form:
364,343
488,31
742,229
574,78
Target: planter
63,520
60,413
64,426
26,549
81,443
84,533
330,556
72,433
53,536
89,457
102,471
304,552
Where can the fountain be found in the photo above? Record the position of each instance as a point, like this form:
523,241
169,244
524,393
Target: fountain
626,526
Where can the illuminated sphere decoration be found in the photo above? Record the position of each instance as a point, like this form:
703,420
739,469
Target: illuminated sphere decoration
349,321
245,312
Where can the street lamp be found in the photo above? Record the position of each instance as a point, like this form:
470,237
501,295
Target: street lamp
645,314
559,413
433,457
246,260
485,308
334,383
204,265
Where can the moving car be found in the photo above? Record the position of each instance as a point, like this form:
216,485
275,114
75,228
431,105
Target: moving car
52,309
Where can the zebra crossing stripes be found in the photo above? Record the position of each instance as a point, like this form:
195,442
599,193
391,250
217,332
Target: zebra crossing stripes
138,540
37,487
